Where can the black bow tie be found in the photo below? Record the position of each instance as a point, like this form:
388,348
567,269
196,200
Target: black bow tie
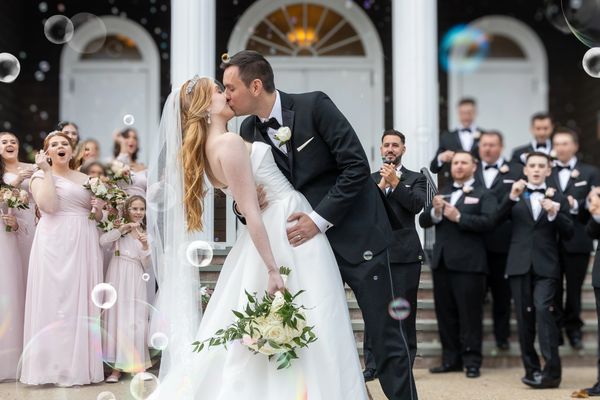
561,167
465,130
491,166
457,187
540,146
539,190
270,123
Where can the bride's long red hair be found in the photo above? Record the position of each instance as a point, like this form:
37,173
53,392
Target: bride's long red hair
194,126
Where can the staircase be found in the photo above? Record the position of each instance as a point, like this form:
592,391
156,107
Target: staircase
429,347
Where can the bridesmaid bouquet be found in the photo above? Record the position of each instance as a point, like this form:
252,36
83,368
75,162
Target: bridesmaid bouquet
119,171
14,198
272,326
106,191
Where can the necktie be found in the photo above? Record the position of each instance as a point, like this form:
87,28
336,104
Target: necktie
270,123
539,190
492,166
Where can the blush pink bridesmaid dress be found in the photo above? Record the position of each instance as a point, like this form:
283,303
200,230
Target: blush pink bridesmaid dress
62,341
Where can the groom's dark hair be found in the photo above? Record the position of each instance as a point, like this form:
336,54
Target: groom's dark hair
252,65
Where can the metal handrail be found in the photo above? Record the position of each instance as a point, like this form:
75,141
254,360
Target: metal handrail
429,233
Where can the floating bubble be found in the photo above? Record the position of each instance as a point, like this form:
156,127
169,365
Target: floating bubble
9,68
143,385
43,7
199,253
368,255
463,48
59,29
33,108
145,277
22,55
39,76
161,196
591,62
399,309
104,296
44,66
159,341
106,396
583,20
92,23
152,10
554,15
61,7
114,10
128,120
7,125
44,115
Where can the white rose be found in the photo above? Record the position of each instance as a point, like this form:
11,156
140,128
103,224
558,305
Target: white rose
283,134
276,333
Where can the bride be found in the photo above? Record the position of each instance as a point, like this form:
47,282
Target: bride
194,144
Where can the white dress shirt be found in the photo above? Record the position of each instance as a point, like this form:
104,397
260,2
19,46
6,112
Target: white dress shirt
277,113
454,197
565,174
389,189
491,173
536,202
466,137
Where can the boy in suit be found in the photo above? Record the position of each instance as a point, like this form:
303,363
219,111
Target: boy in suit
538,214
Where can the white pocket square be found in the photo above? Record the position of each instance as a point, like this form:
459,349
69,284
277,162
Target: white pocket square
508,181
582,183
304,144
471,200
406,185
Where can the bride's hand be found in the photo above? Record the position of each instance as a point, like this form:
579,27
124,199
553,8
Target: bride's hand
275,282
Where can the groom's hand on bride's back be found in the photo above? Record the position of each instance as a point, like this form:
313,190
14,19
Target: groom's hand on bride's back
303,230
261,194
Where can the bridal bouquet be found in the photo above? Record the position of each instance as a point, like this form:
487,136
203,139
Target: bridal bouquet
273,326
119,171
107,191
14,198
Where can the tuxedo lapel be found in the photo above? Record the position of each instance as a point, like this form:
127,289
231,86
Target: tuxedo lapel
480,176
288,120
556,180
456,138
527,200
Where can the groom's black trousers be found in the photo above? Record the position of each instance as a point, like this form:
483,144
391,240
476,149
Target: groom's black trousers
372,284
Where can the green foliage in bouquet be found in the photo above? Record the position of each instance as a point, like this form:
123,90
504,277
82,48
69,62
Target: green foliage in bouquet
274,326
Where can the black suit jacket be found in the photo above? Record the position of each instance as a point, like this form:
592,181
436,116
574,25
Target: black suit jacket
451,141
497,240
593,230
461,245
331,170
406,201
518,151
578,187
534,244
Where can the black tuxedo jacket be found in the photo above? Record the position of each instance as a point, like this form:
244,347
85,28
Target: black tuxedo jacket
461,245
328,165
579,188
497,240
518,151
534,244
451,141
406,201
593,230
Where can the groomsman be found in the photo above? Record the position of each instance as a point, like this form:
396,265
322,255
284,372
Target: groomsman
575,180
405,192
593,230
538,215
463,138
497,175
541,130
461,213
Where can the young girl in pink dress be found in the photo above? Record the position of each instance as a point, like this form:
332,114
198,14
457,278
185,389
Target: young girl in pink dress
126,323
61,339
12,293
17,174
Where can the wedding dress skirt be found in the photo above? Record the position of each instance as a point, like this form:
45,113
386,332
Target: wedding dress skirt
329,369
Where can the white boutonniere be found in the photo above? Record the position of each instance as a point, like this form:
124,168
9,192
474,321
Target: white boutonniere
553,153
574,174
504,169
550,192
398,174
283,135
467,189
476,135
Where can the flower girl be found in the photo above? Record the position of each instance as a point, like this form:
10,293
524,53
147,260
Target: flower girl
125,323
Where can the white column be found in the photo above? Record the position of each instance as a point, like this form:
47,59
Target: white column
416,92
193,52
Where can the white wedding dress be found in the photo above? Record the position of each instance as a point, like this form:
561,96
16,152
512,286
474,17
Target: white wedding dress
328,369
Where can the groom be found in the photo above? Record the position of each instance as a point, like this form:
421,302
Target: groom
324,160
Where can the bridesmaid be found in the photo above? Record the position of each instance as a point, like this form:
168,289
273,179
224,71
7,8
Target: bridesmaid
12,295
17,174
71,130
61,321
126,150
93,169
126,323
88,150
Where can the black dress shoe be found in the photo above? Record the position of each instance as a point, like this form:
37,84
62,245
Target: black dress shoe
442,369
369,374
540,382
473,372
575,340
503,345
594,390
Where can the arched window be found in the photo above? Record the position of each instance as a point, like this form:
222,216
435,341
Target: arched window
504,47
304,29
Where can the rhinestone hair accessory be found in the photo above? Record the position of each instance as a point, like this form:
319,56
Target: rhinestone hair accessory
191,84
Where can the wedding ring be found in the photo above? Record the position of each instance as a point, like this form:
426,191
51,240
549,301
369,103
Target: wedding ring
299,237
